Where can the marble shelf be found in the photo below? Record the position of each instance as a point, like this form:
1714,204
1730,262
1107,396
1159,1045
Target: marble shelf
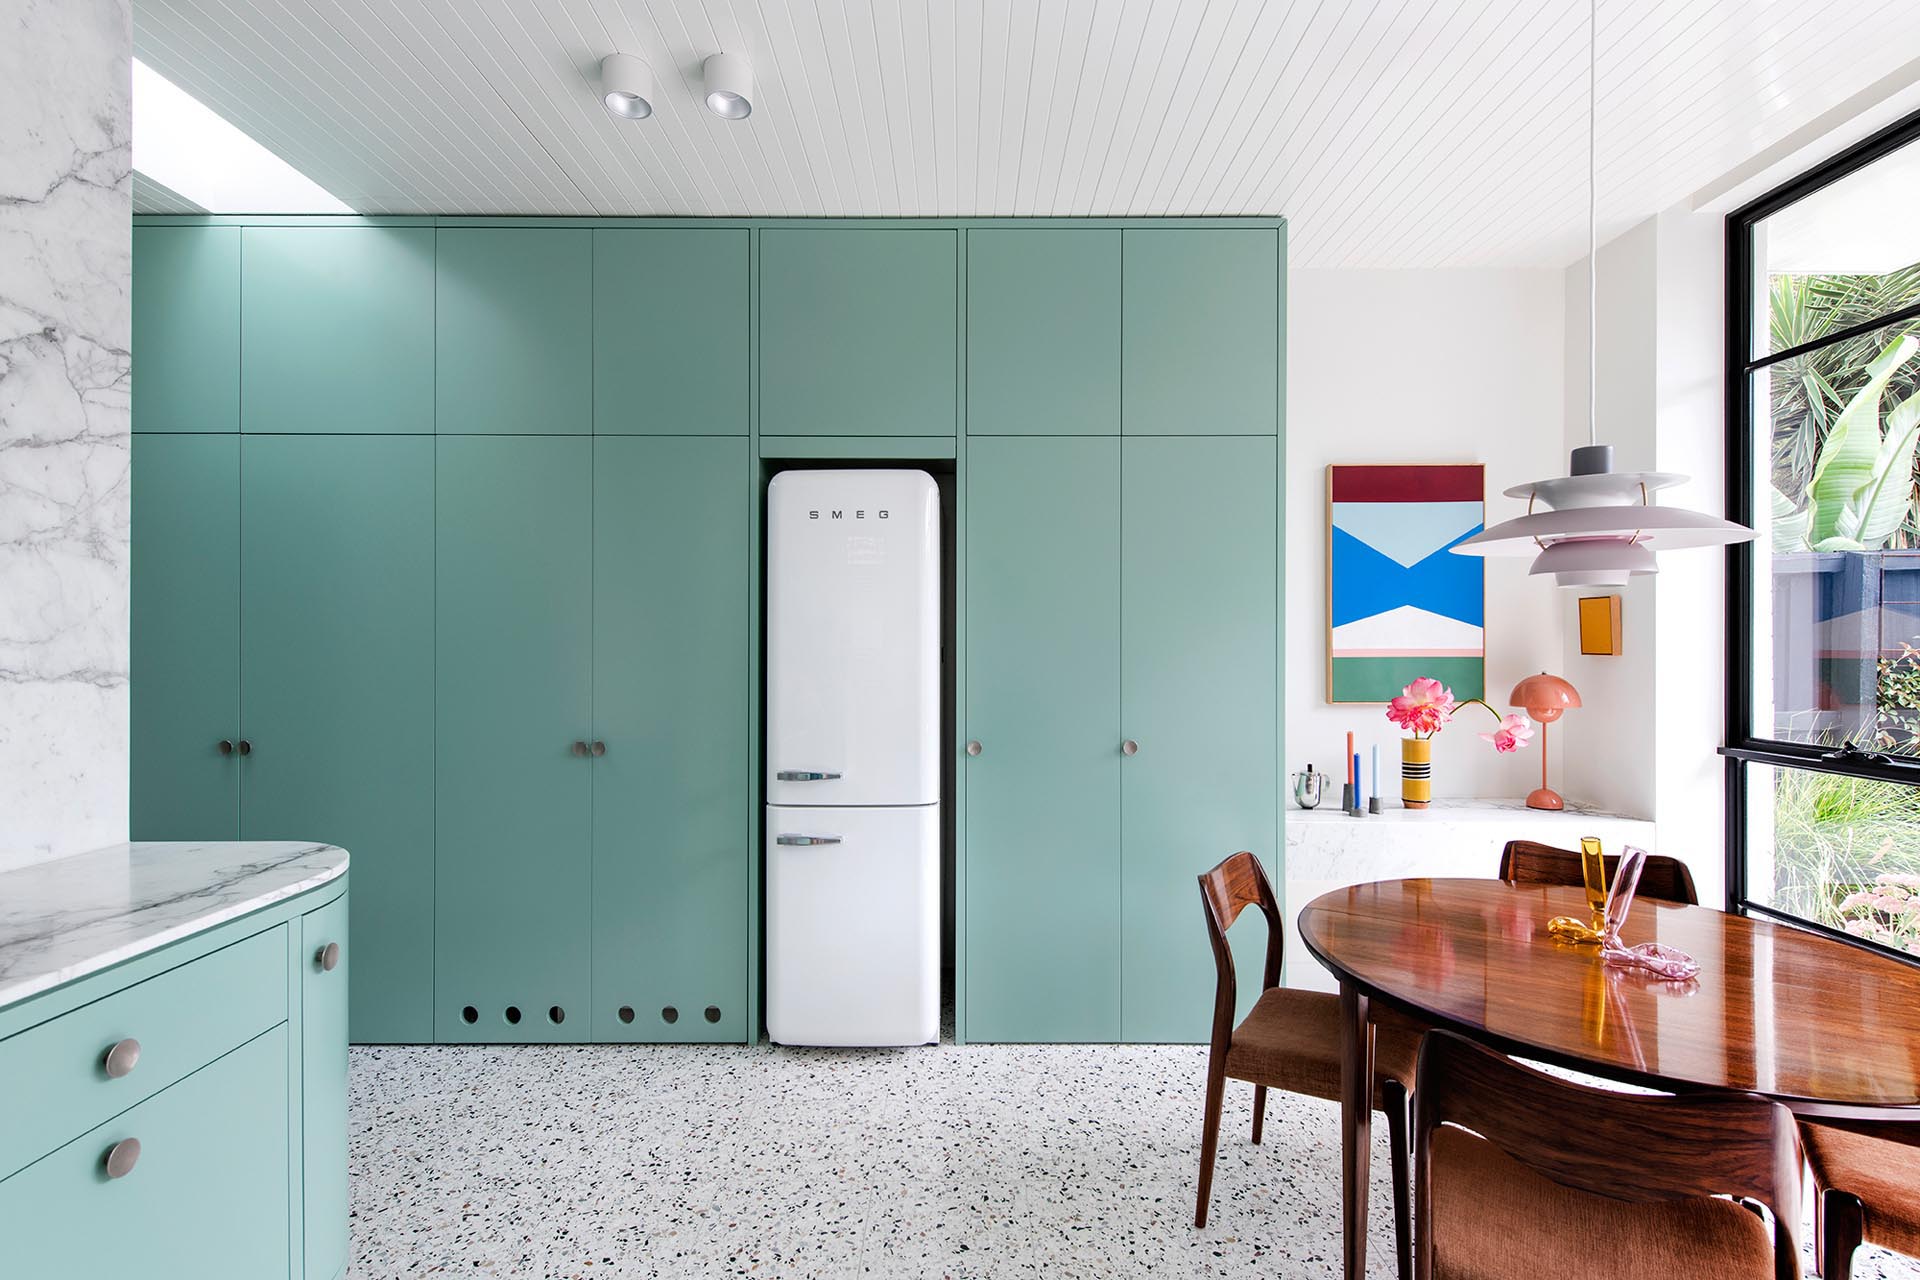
66,918
1326,850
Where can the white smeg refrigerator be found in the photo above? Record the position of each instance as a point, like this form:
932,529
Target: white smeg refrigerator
853,758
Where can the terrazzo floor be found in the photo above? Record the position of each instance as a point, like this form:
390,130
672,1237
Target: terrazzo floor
945,1161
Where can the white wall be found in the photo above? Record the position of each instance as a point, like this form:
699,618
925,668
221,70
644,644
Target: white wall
65,329
1420,366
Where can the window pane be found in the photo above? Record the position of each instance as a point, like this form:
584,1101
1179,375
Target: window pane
1842,256
1843,852
1836,626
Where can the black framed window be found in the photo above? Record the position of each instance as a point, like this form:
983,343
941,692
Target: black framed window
1823,455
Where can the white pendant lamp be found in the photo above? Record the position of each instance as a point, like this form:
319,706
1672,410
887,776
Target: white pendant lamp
729,82
626,86
1597,527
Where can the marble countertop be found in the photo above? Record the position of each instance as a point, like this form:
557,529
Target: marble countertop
72,916
1391,810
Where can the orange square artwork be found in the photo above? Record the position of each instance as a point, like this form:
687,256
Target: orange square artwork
1600,625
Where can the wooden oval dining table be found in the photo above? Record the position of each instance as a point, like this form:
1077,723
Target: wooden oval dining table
1826,1028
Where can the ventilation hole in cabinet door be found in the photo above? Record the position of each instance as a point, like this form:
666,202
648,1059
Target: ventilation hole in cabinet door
626,1013
513,1014
556,1015
669,1014
469,1015
713,1013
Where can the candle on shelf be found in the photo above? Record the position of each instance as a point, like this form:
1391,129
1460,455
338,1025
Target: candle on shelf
1373,792
1352,781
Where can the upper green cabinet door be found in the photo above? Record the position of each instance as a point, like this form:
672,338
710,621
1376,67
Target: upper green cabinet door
337,668
671,699
1199,640
186,329
514,674
337,327
515,323
1201,315
1043,701
186,638
858,332
670,331
1043,332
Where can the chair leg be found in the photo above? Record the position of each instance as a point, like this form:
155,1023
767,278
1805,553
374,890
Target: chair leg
1259,1110
1842,1229
1210,1136
1397,1138
1819,1232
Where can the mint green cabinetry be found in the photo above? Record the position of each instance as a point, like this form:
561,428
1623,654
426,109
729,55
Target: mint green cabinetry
337,329
206,1199
514,315
323,1076
1043,701
337,664
185,625
671,691
186,329
670,331
858,331
514,677
1043,332
1201,331
1199,659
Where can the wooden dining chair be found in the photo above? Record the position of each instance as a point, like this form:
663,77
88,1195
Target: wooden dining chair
1867,1176
1290,1039
1529,862
1518,1174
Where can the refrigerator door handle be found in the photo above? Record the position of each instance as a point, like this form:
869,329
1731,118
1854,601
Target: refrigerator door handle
806,840
804,775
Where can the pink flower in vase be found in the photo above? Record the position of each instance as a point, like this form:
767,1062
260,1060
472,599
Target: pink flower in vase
1423,707
1513,733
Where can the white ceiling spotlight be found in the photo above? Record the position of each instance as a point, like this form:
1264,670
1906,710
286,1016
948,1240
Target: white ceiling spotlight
1601,526
729,81
626,86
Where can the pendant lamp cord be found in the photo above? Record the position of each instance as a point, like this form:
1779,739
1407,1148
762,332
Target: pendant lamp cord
1593,235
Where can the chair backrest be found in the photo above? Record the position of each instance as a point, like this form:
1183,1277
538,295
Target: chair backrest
1529,862
1631,1147
1225,891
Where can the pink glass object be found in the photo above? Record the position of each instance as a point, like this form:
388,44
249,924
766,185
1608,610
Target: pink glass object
1656,958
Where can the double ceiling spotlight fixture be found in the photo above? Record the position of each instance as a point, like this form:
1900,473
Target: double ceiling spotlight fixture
626,86
1601,526
729,81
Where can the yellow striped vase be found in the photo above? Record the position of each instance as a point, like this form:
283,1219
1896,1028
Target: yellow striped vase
1416,772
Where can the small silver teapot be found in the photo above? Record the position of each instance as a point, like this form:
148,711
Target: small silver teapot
1308,786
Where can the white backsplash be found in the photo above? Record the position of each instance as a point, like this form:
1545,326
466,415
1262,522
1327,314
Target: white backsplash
65,377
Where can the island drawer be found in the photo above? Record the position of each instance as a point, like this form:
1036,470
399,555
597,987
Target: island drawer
91,1064
191,1182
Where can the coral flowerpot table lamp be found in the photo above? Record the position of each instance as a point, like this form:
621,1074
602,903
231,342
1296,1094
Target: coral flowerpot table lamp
1545,699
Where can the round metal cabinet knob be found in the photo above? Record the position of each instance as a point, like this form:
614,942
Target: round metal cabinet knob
122,1156
328,957
973,747
599,747
122,1058
1129,748
226,746
246,748
579,748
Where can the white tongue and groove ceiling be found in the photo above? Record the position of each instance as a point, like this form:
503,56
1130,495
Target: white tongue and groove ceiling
1391,133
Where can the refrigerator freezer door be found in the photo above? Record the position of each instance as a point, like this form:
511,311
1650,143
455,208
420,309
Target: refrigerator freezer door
853,638
853,926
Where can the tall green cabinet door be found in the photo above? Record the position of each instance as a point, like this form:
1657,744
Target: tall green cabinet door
671,694
186,329
514,324
1043,703
859,331
1043,332
514,681
337,326
671,331
1201,314
185,772
337,664
1199,696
